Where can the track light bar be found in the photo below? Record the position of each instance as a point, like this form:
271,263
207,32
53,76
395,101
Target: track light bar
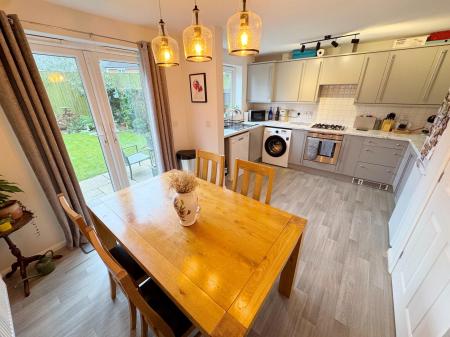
334,43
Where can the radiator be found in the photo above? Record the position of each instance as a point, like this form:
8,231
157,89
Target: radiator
6,323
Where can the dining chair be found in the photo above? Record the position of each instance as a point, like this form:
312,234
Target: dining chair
261,171
156,309
135,271
202,159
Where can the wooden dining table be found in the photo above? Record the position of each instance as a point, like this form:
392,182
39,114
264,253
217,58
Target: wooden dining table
218,271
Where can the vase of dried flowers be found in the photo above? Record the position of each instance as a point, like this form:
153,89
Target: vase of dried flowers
185,200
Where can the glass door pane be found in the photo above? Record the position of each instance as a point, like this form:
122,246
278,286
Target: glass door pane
67,93
133,129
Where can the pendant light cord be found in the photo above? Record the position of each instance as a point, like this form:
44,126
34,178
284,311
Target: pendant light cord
160,12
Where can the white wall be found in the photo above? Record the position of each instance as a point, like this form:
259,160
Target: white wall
206,119
14,167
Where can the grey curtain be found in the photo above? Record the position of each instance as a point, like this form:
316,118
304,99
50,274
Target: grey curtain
27,107
157,86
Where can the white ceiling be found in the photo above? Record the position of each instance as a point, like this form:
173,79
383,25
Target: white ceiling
287,22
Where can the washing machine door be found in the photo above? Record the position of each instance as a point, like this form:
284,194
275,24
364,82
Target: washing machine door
275,146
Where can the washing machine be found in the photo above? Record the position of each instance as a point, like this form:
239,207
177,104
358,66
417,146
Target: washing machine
276,143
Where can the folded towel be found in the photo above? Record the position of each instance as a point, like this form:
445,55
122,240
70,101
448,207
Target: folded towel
312,148
327,148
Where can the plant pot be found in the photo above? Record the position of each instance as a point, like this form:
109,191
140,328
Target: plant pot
11,209
186,206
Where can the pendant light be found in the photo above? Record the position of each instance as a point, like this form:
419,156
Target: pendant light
244,32
197,40
165,48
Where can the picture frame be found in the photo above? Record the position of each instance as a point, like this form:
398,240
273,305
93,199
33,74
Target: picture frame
197,85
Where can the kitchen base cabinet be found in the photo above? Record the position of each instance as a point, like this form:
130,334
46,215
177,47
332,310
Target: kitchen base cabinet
375,173
256,143
237,148
404,171
351,148
298,138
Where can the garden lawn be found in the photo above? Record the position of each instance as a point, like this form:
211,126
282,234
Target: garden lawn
87,156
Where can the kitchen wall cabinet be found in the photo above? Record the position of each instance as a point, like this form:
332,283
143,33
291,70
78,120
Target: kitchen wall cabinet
406,74
309,82
349,156
260,82
341,69
371,77
439,80
287,81
256,143
298,138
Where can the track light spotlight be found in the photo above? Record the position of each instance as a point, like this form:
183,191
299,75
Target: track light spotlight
355,40
334,43
302,49
318,45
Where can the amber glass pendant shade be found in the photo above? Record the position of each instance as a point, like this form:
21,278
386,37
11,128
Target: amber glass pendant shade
165,49
244,33
197,41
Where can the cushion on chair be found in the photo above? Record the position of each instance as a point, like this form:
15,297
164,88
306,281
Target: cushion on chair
127,262
164,306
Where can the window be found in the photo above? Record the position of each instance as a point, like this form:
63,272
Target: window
229,87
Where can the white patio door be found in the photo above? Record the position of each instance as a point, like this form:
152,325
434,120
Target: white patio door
102,112
421,278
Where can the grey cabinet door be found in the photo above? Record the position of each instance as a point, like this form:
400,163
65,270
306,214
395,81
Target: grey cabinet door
298,138
371,77
403,172
349,156
310,81
406,74
260,82
256,140
287,81
341,69
439,80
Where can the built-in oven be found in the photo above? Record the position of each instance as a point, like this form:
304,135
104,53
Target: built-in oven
257,115
323,147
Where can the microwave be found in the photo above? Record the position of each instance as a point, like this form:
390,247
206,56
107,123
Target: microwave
257,115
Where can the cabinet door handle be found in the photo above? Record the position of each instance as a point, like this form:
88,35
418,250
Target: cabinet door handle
367,150
362,77
242,138
434,73
388,74
362,166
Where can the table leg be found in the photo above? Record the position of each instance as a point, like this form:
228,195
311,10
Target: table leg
287,276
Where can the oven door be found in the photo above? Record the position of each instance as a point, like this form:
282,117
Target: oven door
322,150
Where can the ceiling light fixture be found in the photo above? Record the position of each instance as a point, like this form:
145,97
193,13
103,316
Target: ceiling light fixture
355,40
197,40
318,45
165,48
334,43
302,49
244,32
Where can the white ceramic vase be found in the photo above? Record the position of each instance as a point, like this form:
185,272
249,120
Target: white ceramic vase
187,208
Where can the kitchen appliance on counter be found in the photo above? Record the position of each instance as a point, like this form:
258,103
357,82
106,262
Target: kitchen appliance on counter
324,126
257,115
323,148
364,123
276,144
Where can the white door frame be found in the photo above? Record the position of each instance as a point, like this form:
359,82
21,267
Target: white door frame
104,134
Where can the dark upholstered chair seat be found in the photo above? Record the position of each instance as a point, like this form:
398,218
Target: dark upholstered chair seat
127,262
163,305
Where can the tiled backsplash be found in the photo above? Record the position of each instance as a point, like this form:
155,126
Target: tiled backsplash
336,105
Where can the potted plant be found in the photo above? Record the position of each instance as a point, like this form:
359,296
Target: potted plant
185,201
8,207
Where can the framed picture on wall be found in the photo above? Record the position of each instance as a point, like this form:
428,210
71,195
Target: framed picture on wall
197,84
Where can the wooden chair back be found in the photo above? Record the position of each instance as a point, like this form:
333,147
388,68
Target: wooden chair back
202,159
261,171
120,275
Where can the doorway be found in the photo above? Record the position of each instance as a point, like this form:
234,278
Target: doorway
100,107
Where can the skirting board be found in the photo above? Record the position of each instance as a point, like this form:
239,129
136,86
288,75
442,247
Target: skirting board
54,247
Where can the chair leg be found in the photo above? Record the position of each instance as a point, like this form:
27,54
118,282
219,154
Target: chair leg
144,326
132,309
112,286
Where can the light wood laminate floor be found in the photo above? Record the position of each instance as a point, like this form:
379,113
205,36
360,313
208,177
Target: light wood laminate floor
342,287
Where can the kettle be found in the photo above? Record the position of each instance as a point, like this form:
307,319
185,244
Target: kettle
46,265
